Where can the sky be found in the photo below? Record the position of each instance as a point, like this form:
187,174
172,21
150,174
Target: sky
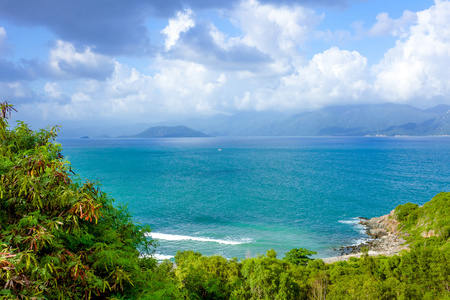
121,61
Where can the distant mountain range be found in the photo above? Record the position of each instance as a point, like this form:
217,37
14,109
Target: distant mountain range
350,120
169,132
382,119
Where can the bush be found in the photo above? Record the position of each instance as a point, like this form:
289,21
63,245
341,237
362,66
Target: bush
61,238
404,211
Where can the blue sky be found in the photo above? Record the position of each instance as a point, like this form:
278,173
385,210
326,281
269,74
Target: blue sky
149,61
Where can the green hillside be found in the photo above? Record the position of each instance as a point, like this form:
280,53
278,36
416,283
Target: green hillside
429,223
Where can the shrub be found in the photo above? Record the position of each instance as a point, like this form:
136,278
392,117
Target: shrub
61,238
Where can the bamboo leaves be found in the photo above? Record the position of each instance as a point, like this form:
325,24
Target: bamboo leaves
60,238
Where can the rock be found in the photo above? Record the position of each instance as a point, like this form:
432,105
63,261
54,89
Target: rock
377,233
426,234
384,238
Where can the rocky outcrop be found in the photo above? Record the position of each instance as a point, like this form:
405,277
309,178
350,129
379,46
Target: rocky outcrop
381,226
384,239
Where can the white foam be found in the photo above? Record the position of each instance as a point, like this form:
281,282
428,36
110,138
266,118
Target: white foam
175,237
360,242
162,256
353,221
157,256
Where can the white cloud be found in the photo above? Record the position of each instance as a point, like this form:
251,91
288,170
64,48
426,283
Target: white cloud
182,23
418,66
270,44
395,27
277,31
189,87
53,90
80,98
334,76
179,88
206,71
66,62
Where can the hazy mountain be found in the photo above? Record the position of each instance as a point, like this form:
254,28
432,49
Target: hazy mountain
239,124
386,119
356,120
169,131
95,130
349,120
439,109
435,126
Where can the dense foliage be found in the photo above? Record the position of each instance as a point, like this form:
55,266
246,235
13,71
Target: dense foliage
422,273
429,223
61,238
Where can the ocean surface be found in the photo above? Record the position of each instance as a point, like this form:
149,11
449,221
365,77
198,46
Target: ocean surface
241,196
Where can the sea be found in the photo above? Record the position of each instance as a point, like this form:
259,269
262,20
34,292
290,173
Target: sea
241,196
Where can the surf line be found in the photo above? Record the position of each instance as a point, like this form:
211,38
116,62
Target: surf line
174,237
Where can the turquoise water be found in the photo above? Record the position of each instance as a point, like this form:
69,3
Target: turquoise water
238,197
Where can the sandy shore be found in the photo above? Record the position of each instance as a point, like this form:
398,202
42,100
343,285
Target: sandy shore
384,239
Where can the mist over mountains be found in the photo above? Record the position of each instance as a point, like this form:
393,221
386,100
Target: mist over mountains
350,120
166,131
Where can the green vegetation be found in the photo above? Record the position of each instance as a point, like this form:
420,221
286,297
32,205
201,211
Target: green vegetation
299,256
427,224
61,238
422,273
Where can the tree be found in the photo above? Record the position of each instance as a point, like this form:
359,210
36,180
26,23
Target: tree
61,238
299,256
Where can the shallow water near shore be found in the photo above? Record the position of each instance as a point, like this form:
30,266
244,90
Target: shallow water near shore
238,197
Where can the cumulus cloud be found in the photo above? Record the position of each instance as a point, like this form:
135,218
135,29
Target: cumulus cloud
117,27
66,62
206,45
387,26
182,23
53,90
277,31
203,70
271,40
179,88
334,76
417,67
188,86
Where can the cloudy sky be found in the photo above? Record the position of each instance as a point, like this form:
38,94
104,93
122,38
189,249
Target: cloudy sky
154,60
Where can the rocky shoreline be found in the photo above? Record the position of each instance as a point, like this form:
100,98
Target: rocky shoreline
384,239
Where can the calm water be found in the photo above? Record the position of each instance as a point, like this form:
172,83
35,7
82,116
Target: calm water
238,197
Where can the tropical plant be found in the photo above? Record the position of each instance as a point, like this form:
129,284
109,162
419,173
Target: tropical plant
61,238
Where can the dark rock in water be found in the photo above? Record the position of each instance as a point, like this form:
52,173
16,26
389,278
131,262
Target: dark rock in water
84,137
353,249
